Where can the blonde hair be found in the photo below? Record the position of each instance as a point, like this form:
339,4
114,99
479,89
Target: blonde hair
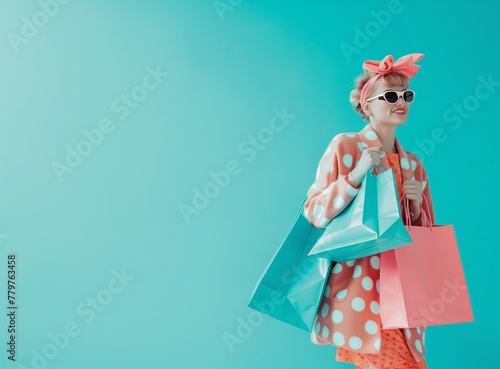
389,80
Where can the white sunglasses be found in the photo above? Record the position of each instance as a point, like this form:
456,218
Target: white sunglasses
392,97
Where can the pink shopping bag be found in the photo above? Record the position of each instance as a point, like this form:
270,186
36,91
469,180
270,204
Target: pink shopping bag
423,283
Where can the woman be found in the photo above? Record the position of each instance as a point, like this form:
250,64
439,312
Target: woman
348,315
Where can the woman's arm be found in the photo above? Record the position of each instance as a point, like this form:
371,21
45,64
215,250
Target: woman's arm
331,192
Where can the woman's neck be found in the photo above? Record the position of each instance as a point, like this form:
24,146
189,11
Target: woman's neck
387,135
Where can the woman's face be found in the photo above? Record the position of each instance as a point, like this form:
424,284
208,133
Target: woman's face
381,111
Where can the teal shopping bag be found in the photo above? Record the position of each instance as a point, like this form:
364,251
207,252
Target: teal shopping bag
370,224
291,287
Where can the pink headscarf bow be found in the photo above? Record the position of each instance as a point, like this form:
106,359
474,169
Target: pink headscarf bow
403,66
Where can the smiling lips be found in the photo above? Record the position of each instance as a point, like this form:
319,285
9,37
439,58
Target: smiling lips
399,111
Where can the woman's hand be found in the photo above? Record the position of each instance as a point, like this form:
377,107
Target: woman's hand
412,190
369,158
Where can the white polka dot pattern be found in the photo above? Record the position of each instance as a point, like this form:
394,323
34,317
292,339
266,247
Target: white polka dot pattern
342,294
375,262
325,332
324,311
318,211
371,135
355,343
357,271
338,202
337,268
338,339
371,327
418,345
337,316
404,163
367,283
358,304
347,160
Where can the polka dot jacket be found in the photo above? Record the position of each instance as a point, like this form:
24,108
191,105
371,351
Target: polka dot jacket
348,314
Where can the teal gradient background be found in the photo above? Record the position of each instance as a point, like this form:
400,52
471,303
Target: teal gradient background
119,209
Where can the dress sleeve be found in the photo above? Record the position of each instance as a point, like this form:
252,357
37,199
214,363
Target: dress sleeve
331,192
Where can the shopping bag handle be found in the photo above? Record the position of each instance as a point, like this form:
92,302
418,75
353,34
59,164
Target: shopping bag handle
375,167
376,170
426,215
300,210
